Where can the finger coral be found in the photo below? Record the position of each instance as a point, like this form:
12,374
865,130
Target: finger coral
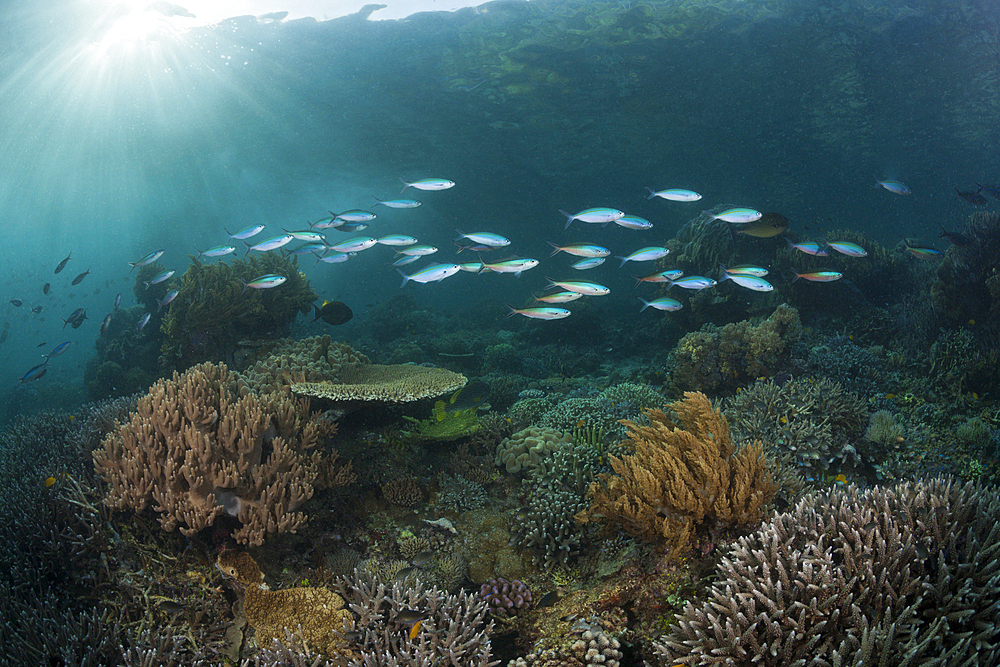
202,445
903,575
682,476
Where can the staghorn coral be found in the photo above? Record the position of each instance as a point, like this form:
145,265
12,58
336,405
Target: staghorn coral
682,476
358,384
201,445
812,422
403,491
528,448
897,575
314,614
459,494
453,632
884,430
213,310
718,359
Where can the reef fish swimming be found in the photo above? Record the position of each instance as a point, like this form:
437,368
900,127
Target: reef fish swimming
818,276
148,259
663,303
540,313
973,197
333,312
62,264
737,215
765,227
895,187
674,194
922,252
431,274
266,281
428,184
79,278
597,216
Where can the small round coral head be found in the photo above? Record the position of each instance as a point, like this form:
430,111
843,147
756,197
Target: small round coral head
818,276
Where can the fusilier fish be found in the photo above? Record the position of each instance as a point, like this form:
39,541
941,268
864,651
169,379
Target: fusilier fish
647,254
922,252
431,274
580,250
663,303
397,203
749,282
76,318
410,259
846,248
809,248
354,215
587,289
160,277
143,321
736,215
485,238
818,276
266,281
692,282
148,259
659,277
599,216
305,235
272,243
428,184
540,313
57,350
167,298
397,240
246,232
217,251
895,187
744,270
564,296
62,264
674,194
471,267
35,373
118,300
79,278
971,196
588,263
355,244
418,250
515,266
335,258
633,222
106,322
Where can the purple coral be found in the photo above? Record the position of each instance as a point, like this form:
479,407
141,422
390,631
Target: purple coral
505,598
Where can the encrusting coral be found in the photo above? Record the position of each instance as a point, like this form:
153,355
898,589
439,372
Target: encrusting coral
315,615
681,476
903,575
528,448
202,444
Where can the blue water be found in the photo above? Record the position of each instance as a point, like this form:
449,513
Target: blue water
116,142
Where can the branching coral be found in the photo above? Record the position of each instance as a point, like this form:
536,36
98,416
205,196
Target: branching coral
682,476
714,358
202,445
900,575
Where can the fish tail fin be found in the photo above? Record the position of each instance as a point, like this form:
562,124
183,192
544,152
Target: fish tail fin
638,281
146,283
248,248
405,185
227,232
556,249
670,283
377,200
244,287
652,192
569,218
535,296
513,310
645,304
551,284
796,272
623,259
460,246
406,278
316,308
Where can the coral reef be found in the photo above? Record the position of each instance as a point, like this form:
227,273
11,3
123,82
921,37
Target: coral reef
593,648
528,448
884,430
489,548
213,310
201,446
967,286
504,597
722,359
682,476
316,615
126,359
889,575
452,629
403,491
361,384
285,361
459,494
814,423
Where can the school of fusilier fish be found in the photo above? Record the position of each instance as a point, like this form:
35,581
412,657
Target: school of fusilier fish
558,293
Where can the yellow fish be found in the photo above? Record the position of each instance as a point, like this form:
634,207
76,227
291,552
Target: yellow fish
840,479
49,482
415,630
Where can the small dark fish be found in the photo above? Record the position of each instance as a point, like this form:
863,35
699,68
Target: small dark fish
36,310
468,398
46,287
105,323
3,336
333,312
960,240
569,618
42,344
764,227
992,190
79,278
172,607
423,557
351,635
971,197
870,526
57,350
921,550
62,264
411,616
405,572
118,300
17,303
548,600
35,373
76,318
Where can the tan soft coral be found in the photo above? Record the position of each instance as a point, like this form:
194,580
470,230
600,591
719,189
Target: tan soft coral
681,476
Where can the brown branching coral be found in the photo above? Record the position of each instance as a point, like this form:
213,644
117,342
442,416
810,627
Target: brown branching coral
904,575
201,445
681,476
